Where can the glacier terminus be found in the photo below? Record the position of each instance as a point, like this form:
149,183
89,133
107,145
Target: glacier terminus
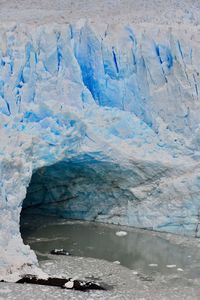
99,121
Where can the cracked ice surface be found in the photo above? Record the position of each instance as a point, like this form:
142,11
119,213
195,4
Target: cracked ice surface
108,111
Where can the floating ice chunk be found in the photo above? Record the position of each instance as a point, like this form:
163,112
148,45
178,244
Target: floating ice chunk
135,273
171,266
180,270
153,265
48,263
69,285
116,262
121,233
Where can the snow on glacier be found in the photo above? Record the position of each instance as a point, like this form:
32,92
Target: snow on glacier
104,115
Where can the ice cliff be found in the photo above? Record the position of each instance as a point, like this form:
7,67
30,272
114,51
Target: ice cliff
98,122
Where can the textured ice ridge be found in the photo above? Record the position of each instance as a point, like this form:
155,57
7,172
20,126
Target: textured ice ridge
107,119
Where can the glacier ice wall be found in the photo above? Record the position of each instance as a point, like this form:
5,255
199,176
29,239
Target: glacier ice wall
106,119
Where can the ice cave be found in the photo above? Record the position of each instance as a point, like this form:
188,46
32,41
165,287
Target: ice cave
99,121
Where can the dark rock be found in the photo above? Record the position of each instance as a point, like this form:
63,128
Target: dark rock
59,252
63,283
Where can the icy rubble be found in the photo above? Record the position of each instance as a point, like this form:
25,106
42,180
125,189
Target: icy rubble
104,115
127,284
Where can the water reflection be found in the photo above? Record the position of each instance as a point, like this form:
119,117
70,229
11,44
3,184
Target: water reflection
136,250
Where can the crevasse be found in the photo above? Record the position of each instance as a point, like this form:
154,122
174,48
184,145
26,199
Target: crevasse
100,123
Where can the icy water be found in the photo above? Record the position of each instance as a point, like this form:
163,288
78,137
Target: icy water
142,251
152,266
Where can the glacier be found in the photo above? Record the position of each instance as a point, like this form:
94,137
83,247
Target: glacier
98,122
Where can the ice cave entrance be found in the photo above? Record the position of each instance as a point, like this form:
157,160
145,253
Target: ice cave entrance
81,189
89,190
